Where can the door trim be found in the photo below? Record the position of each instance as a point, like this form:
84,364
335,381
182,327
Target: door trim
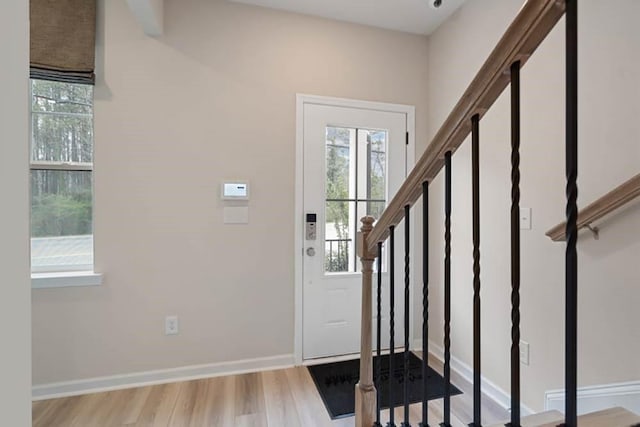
302,99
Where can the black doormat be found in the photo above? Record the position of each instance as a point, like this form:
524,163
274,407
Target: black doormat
336,383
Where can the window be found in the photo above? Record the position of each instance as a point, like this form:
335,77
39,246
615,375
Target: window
61,177
355,186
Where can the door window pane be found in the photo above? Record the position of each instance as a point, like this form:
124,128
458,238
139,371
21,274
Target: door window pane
338,151
356,167
339,237
372,208
377,173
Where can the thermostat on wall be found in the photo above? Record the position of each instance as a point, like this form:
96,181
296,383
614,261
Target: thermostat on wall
238,190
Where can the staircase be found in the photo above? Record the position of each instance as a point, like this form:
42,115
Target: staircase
502,68
608,417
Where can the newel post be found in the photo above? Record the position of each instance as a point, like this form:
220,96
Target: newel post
365,390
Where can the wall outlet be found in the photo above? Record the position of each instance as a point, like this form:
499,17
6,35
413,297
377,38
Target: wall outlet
524,352
171,326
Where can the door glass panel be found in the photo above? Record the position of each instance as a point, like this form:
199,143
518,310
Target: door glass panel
355,186
339,145
372,164
377,175
339,237
373,208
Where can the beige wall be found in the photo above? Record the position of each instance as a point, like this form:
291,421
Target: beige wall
15,354
609,337
213,98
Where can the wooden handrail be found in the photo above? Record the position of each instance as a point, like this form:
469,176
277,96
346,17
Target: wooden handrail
606,204
533,23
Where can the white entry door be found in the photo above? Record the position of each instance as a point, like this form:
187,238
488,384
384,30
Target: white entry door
354,159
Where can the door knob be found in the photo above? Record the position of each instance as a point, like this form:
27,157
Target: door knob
311,251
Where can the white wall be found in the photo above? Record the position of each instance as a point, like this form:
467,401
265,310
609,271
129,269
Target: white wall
609,278
212,99
15,355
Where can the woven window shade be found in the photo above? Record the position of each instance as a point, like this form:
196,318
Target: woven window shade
63,38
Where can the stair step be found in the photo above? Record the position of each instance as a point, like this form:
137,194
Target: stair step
535,420
612,417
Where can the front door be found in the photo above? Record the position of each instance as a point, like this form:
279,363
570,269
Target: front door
355,159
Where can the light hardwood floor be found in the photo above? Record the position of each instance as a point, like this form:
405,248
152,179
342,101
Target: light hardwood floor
282,398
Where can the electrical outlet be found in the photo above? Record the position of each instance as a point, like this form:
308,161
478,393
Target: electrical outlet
524,353
171,326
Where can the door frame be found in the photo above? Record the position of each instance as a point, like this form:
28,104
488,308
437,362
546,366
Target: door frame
302,99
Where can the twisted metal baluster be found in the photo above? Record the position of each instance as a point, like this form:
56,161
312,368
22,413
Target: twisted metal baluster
391,326
407,236
425,301
571,256
447,292
475,172
515,245
378,361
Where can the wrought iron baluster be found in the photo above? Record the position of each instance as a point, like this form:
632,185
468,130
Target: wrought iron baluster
515,245
571,256
405,378
378,361
475,173
391,326
425,302
447,292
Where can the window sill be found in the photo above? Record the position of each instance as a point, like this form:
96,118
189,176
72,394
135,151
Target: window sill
65,279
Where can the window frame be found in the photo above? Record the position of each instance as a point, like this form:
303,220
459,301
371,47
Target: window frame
69,274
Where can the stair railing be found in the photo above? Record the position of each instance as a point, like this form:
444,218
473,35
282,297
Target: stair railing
614,199
533,23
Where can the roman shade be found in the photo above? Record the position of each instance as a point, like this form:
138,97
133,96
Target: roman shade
63,36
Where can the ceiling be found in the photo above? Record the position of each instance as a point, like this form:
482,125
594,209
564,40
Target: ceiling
412,16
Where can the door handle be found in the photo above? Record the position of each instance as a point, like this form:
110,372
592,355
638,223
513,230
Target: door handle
311,251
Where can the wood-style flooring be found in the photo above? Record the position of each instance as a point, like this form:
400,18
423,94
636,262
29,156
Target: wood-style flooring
280,398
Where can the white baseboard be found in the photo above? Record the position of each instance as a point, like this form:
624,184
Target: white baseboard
163,376
595,398
497,394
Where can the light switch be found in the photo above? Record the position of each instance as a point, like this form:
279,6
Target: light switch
525,218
